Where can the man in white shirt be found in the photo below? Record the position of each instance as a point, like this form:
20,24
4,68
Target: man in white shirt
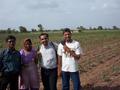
48,62
69,52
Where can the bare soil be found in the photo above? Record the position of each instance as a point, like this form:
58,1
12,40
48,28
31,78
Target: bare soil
99,68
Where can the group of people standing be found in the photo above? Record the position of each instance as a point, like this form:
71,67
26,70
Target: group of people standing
55,61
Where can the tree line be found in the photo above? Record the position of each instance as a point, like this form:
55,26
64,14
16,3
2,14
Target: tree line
23,29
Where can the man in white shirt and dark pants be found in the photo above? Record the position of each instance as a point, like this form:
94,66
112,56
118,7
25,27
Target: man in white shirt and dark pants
69,52
48,62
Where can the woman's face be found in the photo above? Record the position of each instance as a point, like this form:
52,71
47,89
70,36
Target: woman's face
28,45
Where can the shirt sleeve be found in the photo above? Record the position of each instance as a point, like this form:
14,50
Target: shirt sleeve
78,49
1,56
21,51
59,50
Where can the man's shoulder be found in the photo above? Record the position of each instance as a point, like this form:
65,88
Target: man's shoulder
17,52
54,44
76,42
4,50
60,45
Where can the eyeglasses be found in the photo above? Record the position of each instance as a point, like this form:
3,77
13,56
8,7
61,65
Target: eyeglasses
11,41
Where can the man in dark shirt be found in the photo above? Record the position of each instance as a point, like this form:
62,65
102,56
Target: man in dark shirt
10,65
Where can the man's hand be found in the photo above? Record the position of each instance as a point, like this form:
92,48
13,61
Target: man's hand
71,52
66,49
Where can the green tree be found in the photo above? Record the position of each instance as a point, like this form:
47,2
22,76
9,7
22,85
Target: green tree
80,28
33,30
9,30
22,29
40,28
100,28
115,28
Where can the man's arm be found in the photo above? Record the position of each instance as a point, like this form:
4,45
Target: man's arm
59,65
72,53
1,58
76,56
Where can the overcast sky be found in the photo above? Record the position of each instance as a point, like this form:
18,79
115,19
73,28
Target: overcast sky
56,14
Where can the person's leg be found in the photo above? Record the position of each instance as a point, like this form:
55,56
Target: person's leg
34,79
53,79
65,80
14,82
3,83
45,78
26,89
76,80
34,88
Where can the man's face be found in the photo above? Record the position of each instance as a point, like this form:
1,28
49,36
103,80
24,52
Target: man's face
44,39
11,43
67,36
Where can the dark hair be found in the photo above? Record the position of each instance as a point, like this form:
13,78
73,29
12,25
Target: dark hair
66,30
44,34
10,37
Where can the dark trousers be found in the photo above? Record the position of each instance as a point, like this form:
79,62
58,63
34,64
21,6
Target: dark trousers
30,89
12,80
66,80
49,78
